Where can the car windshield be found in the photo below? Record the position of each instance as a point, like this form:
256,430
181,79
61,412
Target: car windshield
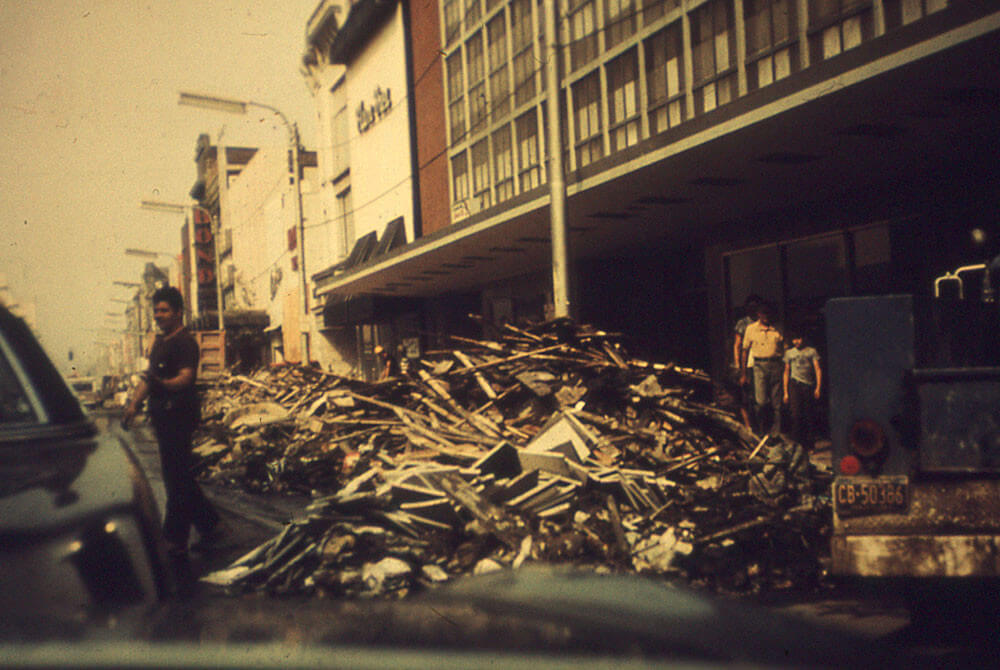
14,404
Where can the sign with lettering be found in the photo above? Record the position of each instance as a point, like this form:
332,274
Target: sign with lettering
379,107
204,253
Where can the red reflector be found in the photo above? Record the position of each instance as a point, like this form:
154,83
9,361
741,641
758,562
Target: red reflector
866,438
850,465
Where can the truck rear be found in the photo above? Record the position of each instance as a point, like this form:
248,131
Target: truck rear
915,426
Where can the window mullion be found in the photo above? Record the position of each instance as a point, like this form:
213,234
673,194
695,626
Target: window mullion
689,58
640,81
739,25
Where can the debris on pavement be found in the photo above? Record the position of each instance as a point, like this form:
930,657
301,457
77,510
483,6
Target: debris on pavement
549,444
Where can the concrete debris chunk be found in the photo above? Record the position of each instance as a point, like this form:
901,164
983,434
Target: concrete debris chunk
434,573
386,573
486,566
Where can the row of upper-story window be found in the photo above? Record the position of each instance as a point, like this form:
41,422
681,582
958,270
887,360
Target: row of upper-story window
630,71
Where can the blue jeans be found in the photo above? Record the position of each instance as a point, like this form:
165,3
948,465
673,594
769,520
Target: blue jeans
767,386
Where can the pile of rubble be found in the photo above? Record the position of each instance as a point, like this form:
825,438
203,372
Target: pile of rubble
549,444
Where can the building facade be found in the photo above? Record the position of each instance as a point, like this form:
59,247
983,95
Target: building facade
356,64
796,149
210,253
263,250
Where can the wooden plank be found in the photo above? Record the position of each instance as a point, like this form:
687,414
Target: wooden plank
480,379
439,510
515,487
516,357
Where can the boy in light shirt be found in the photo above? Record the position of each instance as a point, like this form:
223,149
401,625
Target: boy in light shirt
803,382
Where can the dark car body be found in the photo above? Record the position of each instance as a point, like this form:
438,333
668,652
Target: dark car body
80,543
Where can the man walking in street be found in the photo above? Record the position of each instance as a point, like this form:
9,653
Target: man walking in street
174,411
764,342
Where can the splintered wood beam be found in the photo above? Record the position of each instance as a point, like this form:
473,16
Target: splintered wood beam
508,359
480,379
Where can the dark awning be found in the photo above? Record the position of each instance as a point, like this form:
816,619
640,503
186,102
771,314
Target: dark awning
256,319
341,311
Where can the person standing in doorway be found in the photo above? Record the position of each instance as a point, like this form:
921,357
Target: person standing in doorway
387,366
764,342
803,381
174,411
750,307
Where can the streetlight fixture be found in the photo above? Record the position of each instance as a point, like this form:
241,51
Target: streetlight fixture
235,106
153,255
176,208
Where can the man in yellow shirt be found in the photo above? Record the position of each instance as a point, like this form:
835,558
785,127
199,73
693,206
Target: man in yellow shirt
765,343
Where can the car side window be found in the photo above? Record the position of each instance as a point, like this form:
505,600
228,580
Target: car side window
14,404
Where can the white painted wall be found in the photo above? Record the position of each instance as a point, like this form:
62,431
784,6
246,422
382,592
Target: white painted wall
261,209
381,183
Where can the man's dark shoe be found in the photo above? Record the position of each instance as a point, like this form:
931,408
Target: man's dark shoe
184,579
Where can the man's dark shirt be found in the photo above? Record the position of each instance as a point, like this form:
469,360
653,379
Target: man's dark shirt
167,358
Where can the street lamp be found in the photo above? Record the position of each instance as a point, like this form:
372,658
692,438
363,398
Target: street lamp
175,208
234,106
153,255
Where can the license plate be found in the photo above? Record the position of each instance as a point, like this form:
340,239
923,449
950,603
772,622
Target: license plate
854,496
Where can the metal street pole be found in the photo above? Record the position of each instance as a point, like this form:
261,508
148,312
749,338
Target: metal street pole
234,106
561,271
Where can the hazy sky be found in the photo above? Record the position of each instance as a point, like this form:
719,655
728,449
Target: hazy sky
91,127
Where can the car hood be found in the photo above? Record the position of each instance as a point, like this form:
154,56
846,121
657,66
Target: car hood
58,481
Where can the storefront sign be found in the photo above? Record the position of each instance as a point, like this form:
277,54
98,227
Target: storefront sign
204,252
379,107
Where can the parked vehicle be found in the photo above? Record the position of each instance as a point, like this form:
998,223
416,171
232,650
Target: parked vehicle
80,542
88,390
915,425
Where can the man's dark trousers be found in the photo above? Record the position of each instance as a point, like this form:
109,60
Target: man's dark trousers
186,504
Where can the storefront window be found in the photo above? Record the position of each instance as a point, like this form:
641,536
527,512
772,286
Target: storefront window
456,97
503,168
587,116
499,79
772,51
619,21
481,173
524,60
529,170
713,55
836,26
664,79
583,34
477,83
653,10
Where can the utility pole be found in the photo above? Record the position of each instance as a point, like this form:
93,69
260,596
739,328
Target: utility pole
561,271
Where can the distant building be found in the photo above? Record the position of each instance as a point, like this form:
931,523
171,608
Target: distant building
216,169
262,251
